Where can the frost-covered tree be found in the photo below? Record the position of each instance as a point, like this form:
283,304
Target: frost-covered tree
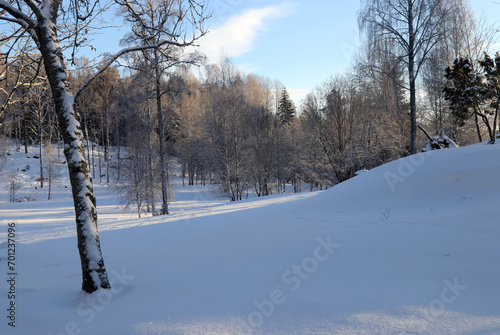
491,69
47,23
466,36
135,189
260,143
225,126
414,27
333,118
13,186
39,108
153,21
52,167
189,146
467,92
104,93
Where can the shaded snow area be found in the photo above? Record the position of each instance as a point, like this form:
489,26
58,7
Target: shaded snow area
411,247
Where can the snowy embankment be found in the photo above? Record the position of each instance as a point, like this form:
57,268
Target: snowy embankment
410,247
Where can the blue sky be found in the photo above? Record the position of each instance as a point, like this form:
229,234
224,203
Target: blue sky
298,42
301,43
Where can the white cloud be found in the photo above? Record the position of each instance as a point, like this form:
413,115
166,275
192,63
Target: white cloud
237,36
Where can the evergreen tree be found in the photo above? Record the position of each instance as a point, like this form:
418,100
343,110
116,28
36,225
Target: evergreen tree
463,89
467,91
491,69
286,108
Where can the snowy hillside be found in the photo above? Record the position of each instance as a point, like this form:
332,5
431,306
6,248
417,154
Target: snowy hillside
410,247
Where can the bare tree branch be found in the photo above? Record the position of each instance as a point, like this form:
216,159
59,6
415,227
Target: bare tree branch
21,17
125,51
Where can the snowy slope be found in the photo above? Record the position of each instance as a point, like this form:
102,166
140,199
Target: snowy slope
410,247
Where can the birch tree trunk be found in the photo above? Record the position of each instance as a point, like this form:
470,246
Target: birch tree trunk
94,274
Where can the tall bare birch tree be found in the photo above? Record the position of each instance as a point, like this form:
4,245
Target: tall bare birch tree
415,26
153,21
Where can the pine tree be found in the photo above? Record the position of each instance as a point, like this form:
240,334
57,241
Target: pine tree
491,69
286,108
467,91
463,89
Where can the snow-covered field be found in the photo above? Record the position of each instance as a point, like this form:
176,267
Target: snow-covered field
411,247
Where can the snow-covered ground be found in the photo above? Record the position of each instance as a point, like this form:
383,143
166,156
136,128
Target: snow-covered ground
410,247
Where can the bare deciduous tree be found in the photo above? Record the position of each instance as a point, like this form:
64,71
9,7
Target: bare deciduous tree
13,186
153,21
415,27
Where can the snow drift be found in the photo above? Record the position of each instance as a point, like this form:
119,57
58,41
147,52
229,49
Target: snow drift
408,247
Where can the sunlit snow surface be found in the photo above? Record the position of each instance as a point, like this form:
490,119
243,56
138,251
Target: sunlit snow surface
411,247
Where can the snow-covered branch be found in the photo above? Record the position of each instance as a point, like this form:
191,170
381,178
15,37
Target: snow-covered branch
20,17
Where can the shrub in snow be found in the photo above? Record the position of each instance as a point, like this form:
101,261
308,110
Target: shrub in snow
438,142
13,186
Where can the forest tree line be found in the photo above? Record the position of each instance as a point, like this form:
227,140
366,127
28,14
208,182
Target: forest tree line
214,124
